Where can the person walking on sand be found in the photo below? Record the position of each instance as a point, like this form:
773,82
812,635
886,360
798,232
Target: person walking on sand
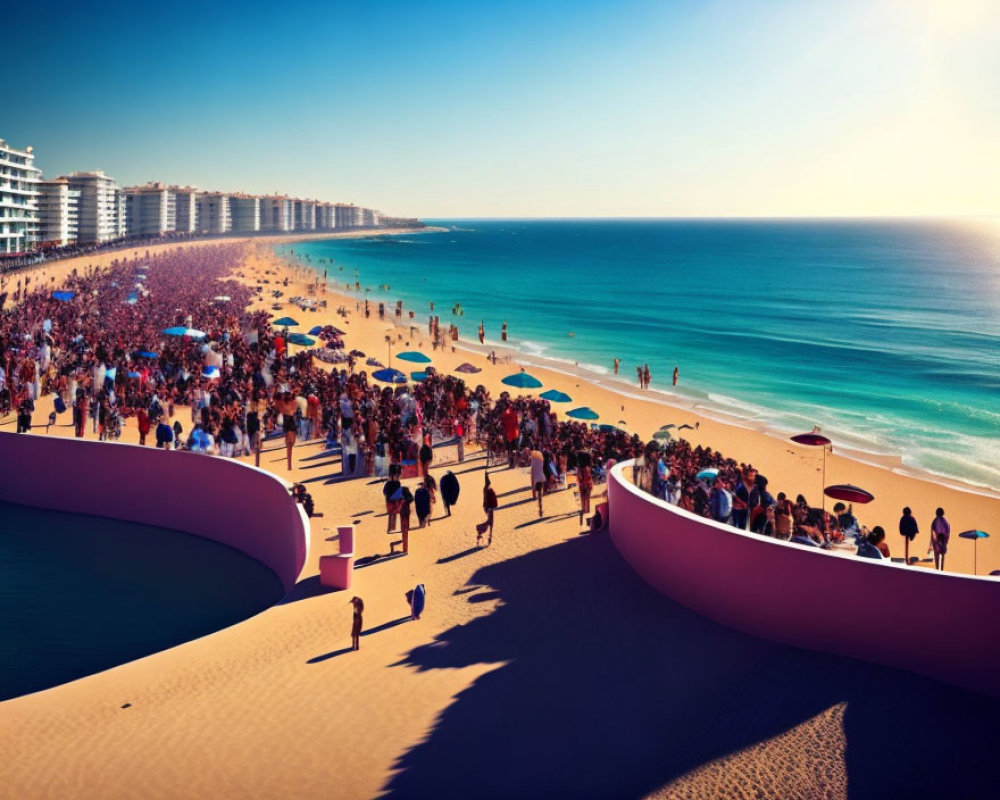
638,372
676,373
356,623
940,533
537,477
422,502
908,529
645,376
482,331
449,491
489,505
618,362
287,406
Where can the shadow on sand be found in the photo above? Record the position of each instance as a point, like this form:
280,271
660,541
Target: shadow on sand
604,688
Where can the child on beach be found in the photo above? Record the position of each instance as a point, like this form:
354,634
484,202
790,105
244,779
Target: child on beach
359,607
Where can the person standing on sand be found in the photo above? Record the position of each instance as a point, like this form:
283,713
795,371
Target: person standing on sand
489,505
645,376
676,373
584,482
482,331
359,608
503,332
908,529
392,491
511,432
422,502
287,406
449,491
618,362
537,477
426,455
940,533
638,372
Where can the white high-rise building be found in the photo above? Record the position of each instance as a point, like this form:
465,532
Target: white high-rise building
214,214
369,217
186,208
18,199
326,217
277,213
58,213
102,206
305,215
150,210
245,210
349,216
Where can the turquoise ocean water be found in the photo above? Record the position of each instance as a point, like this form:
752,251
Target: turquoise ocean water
886,334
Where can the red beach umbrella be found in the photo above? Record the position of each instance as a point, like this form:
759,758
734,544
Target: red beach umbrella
813,439
848,492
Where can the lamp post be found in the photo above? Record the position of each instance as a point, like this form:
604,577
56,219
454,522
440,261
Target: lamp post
388,341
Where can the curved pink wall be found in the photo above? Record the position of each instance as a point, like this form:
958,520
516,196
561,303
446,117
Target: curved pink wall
941,625
215,498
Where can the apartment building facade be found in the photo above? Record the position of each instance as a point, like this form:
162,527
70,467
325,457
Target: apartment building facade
245,212
102,207
214,213
58,213
19,224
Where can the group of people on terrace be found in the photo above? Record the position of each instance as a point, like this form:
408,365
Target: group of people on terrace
706,483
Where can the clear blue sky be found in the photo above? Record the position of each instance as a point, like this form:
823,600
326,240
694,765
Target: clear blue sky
540,108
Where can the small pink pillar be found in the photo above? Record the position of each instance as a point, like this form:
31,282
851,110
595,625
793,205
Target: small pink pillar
345,536
335,571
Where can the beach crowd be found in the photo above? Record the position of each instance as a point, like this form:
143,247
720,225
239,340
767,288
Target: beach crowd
152,334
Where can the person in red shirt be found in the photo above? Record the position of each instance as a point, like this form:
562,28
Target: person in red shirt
142,420
510,430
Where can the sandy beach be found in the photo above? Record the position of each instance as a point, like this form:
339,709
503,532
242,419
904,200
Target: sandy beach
543,667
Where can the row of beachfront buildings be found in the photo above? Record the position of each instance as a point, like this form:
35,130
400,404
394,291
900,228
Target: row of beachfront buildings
91,208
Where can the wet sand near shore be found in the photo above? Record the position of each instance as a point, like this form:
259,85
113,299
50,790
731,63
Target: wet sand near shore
542,667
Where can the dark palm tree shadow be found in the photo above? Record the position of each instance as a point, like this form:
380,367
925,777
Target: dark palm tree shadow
604,688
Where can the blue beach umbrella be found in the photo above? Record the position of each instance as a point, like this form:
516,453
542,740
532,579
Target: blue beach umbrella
301,339
584,412
522,380
975,535
389,376
315,330
180,330
419,376
63,296
555,396
415,356
285,322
